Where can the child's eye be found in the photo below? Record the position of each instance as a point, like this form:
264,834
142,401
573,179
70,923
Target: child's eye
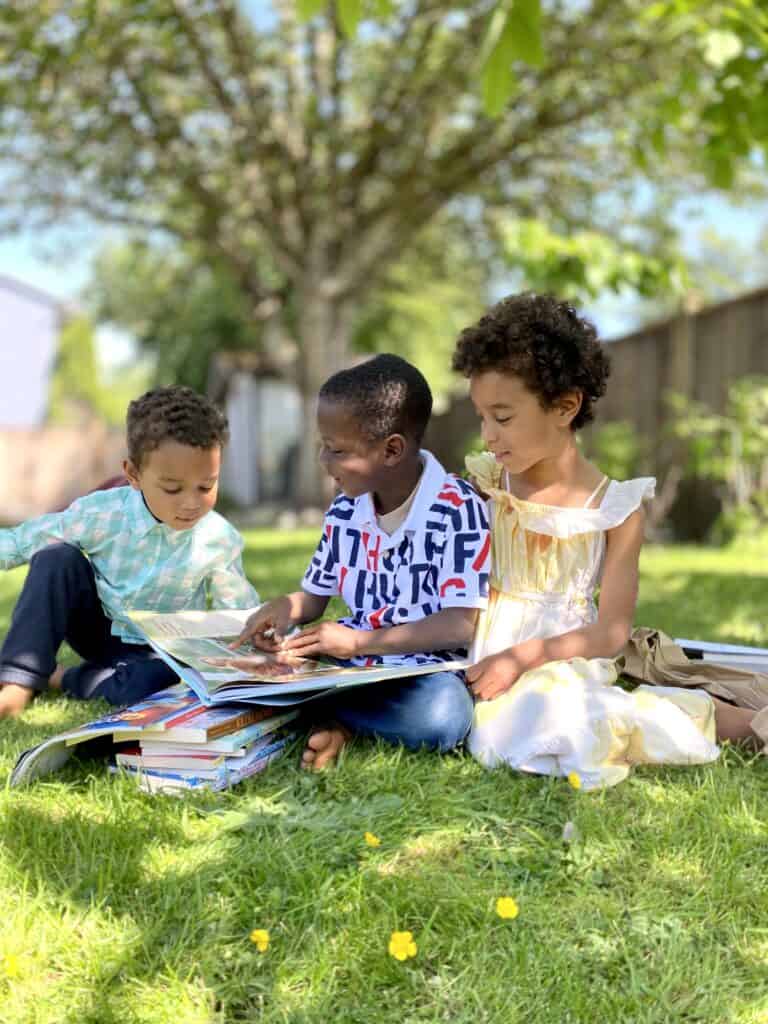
503,419
207,489
165,489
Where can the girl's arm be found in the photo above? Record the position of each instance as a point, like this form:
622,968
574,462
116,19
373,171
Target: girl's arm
602,639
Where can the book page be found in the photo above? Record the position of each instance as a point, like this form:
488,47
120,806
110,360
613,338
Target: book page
221,624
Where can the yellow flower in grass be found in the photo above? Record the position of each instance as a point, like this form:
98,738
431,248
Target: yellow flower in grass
371,839
11,966
260,938
507,908
574,780
401,945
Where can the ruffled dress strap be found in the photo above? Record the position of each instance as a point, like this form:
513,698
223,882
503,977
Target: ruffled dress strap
620,499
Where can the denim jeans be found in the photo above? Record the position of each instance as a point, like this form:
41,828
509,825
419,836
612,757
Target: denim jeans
432,711
59,602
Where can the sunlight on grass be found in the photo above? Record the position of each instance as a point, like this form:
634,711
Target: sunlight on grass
118,907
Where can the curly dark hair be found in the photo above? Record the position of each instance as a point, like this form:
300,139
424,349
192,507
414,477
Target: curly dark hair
545,342
173,414
385,395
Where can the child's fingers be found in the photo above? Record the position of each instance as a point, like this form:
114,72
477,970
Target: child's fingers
301,641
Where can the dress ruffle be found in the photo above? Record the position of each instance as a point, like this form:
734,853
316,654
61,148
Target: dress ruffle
620,500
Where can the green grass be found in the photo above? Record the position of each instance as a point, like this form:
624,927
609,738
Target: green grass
120,907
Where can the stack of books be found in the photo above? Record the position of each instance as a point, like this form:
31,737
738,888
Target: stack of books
172,742
204,748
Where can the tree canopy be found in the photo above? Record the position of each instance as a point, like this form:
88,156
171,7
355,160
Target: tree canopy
305,153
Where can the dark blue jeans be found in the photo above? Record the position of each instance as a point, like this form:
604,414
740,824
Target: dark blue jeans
59,602
431,711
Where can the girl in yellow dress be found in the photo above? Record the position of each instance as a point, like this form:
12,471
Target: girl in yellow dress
543,670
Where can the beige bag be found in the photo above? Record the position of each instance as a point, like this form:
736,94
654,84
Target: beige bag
650,656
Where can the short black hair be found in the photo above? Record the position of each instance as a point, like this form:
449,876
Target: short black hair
545,342
385,395
173,414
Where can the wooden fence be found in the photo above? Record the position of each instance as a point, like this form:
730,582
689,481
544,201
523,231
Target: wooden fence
696,354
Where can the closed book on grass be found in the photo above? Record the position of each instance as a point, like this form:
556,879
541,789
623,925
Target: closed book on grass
232,744
106,736
204,724
157,780
182,758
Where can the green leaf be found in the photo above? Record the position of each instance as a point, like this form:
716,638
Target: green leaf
350,13
309,8
525,39
497,77
383,8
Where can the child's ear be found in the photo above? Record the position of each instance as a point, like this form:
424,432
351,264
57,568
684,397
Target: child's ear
131,471
394,447
568,406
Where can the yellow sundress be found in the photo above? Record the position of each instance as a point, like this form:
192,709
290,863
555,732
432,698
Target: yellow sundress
566,716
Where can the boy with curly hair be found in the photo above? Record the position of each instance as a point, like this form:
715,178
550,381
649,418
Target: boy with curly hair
155,544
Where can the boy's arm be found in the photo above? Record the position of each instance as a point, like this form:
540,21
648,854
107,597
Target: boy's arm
19,543
228,586
444,630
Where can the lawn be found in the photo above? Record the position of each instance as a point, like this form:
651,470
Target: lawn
120,907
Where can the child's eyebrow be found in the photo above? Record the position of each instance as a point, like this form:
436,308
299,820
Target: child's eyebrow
175,480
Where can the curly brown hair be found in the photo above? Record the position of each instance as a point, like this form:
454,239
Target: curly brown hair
545,342
173,414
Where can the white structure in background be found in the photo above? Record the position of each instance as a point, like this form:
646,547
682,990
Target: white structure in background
30,321
264,418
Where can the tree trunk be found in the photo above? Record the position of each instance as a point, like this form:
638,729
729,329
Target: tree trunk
324,329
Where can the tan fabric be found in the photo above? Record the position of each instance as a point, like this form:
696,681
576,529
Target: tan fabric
650,656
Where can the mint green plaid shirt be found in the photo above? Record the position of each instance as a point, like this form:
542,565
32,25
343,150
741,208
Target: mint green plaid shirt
140,563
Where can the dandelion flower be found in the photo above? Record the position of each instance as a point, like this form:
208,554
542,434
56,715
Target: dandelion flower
11,967
507,908
574,780
401,945
371,839
260,938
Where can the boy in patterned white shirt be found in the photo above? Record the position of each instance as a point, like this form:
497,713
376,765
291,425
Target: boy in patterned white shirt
155,544
407,547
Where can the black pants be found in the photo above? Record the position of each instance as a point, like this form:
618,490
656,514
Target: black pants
59,602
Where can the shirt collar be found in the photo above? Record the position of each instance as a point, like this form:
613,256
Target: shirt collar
140,518
430,485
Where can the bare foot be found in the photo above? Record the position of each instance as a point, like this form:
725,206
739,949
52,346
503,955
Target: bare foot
55,681
14,699
735,724
323,747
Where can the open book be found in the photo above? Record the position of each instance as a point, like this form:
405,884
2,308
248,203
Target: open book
186,640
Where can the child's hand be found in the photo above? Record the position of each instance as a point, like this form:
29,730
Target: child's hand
14,699
326,638
494,675
266,628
